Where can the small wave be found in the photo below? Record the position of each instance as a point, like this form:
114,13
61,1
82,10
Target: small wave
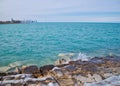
83,57
13,65
66,56
74,56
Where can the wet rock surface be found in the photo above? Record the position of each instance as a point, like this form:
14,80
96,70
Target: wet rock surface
95,72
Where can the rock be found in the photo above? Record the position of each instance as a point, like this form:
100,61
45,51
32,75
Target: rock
79,83
31,80
90,78
65,81
50,84
66,72
17,77
107,75
23,76
97,61
70,68
95,72
14,82
111,81
62,61
2,74
57,72
11,73
18,70
55,84
72,62
8,78
30,70
44,70
32,85
44,85
44,80
1,78
115,70
8,85
81,78
84,79
48,80
97,77
61,65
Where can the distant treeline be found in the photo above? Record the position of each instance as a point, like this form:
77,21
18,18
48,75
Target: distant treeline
16,21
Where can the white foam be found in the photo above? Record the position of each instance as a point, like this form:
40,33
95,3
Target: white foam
82,57
74,56
64,55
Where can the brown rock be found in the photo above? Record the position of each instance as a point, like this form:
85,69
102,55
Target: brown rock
107,75
65,81
62,65
57,72
97,77
2,74
30,70
70,68
18,70
48,80
44,70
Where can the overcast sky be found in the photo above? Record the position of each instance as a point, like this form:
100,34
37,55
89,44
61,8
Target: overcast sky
61,10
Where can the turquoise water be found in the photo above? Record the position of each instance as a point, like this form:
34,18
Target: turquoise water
43,43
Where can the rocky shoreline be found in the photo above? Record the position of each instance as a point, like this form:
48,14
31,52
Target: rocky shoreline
98,71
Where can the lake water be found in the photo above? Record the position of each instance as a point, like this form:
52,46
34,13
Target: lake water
43,43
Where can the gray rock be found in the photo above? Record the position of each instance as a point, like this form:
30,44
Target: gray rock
111,81
12,82
8,85
44,85
23,76
90,78
81,78
34,85
107,75
58,71
18,76
44,80
70,68
55,84
85,79
64,81
51,84
97,77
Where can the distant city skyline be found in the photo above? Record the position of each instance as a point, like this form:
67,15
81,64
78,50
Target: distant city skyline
61,10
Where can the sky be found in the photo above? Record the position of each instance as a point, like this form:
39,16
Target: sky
61,10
